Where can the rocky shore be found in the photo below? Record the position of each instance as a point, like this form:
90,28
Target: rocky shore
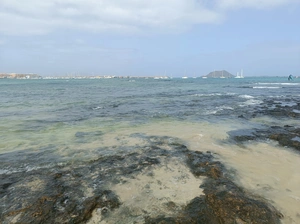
93,191
81,192
285,135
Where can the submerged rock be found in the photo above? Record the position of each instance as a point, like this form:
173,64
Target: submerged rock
287,136
73,193
286,108
223,202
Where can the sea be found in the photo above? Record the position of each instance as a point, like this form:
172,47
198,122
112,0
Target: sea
49,123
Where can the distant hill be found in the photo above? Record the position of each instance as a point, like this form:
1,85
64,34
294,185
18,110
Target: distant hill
219,74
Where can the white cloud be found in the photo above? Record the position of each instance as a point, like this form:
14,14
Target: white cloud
2,42
13,24
33,17
125,16
258,4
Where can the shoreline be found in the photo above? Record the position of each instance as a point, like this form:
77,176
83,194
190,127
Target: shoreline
238,164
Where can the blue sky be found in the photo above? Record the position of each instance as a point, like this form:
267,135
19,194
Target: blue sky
150,38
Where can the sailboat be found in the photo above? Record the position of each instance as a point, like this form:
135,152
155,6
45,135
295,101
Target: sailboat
184,77
238,76
222,77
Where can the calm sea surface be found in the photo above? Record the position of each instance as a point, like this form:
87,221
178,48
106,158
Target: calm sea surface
69,121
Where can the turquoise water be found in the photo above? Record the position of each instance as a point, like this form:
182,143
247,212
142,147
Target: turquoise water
48,122
47,114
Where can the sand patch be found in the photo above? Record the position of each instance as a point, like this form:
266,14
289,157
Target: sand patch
269,171
161,191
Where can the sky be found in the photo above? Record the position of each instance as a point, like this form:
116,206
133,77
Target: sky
150,38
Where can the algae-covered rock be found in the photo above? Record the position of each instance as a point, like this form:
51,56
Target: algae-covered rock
77,192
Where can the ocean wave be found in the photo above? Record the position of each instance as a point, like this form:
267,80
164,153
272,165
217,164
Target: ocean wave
251,102
280,83
206,95
213,94
245,87
246,96
266,87
218,109
26,168
296,111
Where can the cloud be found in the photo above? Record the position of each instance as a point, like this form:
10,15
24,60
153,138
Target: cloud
2,42
33,17
257,4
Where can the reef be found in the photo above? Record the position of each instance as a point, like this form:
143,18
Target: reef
74,192
285,135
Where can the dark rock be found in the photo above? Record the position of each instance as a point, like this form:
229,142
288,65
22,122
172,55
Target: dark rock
59,193
288,136
279,109
84,134
160,220
243,135
229,203
201,164
223,202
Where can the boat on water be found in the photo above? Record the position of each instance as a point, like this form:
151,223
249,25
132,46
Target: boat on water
239,76
222,77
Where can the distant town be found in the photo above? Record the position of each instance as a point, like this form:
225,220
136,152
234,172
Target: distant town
213,74
36,76
18,76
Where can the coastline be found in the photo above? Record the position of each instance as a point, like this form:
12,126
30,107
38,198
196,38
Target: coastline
233,165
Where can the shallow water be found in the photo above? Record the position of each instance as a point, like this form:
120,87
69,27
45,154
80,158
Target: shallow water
263,168
47,123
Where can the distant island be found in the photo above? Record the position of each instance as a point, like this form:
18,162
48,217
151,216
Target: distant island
219,74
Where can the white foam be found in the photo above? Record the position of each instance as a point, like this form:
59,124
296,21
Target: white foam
218,109
296,139
251,102
266,87
225,108
280,83
210,94
211,112
246,96
4,171
213,94
296,111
